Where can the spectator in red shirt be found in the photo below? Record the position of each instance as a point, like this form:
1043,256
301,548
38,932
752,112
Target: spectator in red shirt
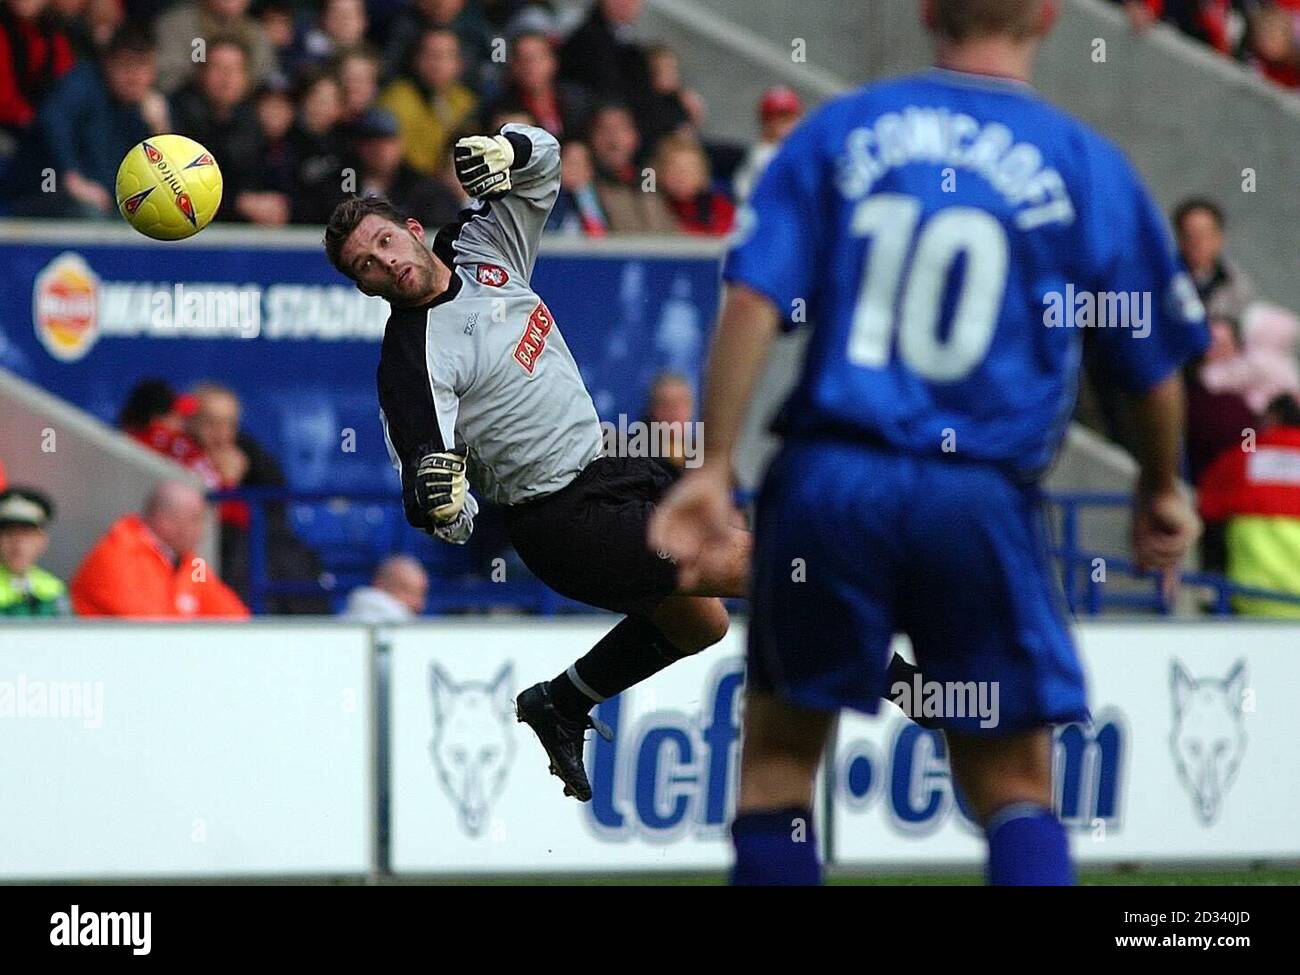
561,108
684,178
1206,20
34,54
154,414
1253,491
1275,43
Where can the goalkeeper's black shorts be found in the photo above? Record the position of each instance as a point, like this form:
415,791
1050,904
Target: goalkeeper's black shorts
587,541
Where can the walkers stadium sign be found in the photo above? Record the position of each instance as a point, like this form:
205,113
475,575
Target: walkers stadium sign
73,307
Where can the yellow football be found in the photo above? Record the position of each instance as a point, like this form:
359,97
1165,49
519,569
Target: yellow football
168,187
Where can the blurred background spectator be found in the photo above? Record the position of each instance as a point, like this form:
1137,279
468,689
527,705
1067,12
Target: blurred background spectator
672,402
1205,20
275,110
1265,33
357,69
1217,411
25,588
381,170
145,566
241,462
34,54
340,26
684,179
94,115
215,108
155,415
1224,288
673,108
318,149
603,55
577,209
88,24
779,111
1265,366
1256,495
620,183
275,18
559,107
429,101
181,29
1274,44
396,594
408,29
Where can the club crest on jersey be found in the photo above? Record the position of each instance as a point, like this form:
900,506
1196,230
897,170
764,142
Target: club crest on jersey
492,276
534,338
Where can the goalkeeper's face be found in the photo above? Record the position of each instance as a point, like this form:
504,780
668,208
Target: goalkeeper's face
391,260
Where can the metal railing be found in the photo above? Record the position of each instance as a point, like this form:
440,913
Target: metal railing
460,591
1087,595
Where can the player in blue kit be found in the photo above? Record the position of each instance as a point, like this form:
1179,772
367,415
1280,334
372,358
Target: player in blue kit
946,235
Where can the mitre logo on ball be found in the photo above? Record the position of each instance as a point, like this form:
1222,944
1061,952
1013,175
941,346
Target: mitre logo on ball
168,187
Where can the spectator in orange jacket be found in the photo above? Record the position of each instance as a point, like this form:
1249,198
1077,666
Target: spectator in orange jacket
145,566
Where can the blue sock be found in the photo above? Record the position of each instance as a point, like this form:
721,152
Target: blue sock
775,847
1028,846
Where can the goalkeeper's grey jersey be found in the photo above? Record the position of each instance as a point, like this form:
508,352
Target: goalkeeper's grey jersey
484,366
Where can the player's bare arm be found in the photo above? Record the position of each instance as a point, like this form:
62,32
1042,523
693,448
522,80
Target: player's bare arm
1165,525
696,522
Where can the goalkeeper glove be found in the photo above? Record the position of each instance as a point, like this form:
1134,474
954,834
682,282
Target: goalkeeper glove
483,164
440,486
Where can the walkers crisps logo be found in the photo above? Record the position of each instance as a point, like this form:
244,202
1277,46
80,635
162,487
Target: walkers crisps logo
65,303
74,308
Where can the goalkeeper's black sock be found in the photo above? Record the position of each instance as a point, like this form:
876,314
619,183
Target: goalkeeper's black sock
626,655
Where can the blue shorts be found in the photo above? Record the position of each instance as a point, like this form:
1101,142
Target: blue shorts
855,543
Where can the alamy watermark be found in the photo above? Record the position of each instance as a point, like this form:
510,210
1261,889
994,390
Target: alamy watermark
54,699
948,699
654,438
1098,309
207,309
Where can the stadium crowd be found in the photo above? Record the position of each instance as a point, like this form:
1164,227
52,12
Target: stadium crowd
303,104
1264,34
145,565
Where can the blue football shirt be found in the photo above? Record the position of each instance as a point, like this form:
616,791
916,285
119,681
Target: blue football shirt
950,237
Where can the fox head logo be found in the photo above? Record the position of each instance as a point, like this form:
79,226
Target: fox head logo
1209,735
473,741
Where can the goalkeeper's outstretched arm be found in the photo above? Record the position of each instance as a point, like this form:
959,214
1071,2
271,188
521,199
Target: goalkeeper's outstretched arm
515,176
